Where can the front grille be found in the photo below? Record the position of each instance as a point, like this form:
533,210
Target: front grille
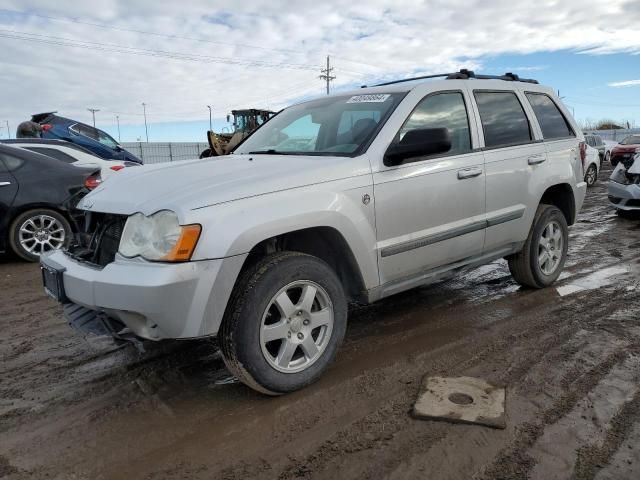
100,239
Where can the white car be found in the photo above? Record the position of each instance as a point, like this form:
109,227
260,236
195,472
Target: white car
70,153
592,166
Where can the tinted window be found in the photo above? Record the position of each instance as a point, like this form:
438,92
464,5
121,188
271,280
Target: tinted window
599,141
9,163
503,119
53,153
589,140
442,110
631,140
552,122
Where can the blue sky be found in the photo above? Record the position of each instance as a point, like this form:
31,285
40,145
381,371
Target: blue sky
180,57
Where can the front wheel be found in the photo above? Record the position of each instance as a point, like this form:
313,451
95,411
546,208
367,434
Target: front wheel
591,176
540,262
35,232
284,323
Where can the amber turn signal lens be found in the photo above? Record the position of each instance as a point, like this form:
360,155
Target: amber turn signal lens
185,245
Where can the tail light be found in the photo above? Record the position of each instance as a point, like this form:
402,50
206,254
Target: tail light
115,168
583,154
46,126
93,181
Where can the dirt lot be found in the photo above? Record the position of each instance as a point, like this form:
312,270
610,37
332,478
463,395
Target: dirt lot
569,356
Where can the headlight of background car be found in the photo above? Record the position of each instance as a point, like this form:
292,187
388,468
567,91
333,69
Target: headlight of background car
159,237
619,175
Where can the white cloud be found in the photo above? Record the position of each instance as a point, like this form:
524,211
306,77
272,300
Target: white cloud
375,40
626,83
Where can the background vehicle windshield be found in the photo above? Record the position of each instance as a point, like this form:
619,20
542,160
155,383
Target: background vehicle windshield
329,126
631,140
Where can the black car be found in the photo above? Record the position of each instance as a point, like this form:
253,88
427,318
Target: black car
37,199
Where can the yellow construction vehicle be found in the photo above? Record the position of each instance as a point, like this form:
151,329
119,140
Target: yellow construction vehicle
244,122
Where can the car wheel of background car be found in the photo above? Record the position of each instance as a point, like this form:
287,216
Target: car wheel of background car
591,176
630,214
35,232
284,323
607,157
540,262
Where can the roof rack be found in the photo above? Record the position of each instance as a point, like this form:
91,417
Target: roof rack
463,74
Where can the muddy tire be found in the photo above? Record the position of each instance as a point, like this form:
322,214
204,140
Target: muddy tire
542,258
38,231
591,175
284,323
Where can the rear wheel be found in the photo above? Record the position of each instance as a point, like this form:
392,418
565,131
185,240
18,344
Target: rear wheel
540,262
591,175
35,232
284,323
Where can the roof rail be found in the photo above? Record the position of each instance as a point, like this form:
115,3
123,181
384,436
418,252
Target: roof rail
463,74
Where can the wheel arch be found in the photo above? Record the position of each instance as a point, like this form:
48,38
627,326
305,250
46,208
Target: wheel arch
324,242
562,196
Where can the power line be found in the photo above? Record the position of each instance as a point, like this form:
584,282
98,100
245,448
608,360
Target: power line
111,47
326,74
157,34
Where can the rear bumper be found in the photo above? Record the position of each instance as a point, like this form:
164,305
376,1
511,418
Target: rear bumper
624,197
154,300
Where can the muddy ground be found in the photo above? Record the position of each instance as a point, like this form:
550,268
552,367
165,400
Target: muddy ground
569,357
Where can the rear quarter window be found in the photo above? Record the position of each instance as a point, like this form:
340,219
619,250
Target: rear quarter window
9,163
503,119
552,122
53,153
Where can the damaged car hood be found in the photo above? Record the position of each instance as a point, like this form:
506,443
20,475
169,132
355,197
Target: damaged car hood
192,184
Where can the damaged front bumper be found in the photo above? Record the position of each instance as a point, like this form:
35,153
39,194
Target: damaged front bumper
150,300
624,185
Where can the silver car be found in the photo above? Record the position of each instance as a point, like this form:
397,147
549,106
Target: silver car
384,189
624,187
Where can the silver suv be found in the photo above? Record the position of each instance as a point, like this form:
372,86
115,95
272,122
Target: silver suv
348,198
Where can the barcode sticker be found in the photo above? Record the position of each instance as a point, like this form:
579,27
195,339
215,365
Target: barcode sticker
370,98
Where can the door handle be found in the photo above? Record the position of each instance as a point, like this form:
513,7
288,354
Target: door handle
536,159
469,173
4,184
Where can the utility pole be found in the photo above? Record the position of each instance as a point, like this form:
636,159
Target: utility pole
118,122
93,112
210,122
326,74
8,131
146,129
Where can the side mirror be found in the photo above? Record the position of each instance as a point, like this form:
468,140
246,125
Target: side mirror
228,118
418,143
119,148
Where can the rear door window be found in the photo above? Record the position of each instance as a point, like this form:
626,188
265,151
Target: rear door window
9,163
53,153
504,121
552,123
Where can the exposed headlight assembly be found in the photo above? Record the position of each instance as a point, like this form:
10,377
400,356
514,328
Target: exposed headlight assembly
619,175
159,237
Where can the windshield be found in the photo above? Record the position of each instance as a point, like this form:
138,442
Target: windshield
329,126
631,140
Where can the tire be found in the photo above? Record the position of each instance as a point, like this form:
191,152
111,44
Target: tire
51,231
607,157
591,175
262,364
628,214
525,266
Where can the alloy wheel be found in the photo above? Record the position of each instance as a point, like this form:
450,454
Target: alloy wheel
550,248
296,326
40,234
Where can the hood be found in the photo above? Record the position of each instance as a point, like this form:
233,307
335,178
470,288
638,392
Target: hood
187,185
626,148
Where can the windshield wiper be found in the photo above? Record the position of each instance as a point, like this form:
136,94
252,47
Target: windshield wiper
271,151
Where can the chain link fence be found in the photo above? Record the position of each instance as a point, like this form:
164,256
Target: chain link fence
158,152
615,135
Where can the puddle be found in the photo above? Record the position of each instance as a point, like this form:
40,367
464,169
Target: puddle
592,281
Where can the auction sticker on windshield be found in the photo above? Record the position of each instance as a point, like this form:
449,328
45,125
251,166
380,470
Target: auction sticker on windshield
370,98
